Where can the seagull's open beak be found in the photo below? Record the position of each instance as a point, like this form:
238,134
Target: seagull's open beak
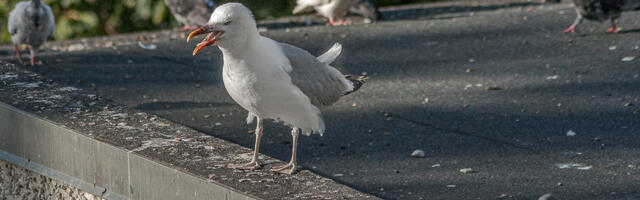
210,39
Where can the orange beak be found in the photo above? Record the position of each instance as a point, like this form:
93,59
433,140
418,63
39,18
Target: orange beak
209,40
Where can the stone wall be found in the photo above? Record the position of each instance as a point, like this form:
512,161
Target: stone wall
19,183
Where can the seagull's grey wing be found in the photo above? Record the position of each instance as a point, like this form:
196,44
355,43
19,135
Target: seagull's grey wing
322,83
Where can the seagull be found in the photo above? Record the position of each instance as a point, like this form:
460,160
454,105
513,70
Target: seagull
601,10
331,9
273,80
30,23
191,13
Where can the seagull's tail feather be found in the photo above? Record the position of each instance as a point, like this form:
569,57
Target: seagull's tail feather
357,81
331,54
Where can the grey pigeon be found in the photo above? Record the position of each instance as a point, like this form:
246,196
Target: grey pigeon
30,23
191,13
601,10
367,9
331,9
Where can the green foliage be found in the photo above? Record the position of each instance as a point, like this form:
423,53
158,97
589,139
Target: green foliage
83,18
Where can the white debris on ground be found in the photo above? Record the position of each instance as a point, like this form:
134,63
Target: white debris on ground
546,196
572,166
571,133
418,153
467,170
628,58
554,77
435,165
146,46
613,48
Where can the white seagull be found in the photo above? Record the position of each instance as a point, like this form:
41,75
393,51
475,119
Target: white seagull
30,23
332,9
273,80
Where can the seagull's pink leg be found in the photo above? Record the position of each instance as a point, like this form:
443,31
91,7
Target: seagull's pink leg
291,167
16,52
613,28
254,164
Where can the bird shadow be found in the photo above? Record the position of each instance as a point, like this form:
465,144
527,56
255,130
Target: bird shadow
637,30
163,105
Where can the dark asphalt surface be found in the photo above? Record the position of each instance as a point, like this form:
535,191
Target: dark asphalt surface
504,86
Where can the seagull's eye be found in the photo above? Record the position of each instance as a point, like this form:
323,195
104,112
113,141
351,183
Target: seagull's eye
227,23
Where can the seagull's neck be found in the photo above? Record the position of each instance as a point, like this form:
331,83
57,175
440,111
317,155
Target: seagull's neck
241,48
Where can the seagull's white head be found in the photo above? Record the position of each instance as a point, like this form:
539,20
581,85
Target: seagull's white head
230,25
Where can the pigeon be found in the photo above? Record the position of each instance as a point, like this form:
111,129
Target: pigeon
31,23
273,80
330,9
601,10
367,9
191,13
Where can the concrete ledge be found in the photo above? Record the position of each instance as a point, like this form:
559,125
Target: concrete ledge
116,152
54,151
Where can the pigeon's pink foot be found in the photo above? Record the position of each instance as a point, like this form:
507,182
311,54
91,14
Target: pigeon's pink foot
187,28
613,29
570,29
331,22
342,22
33,62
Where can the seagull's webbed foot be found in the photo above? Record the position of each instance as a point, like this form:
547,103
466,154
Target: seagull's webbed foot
253,165
286,169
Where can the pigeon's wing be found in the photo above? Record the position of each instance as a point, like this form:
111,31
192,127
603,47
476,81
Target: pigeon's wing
322,83
51,21
307,5
15,18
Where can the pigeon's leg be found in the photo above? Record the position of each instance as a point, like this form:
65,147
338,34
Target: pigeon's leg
291,167
16,52
254,164
331,22
186,28
578,20
613,28
33,58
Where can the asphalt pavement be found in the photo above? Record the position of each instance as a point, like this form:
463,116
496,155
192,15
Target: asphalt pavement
497,88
